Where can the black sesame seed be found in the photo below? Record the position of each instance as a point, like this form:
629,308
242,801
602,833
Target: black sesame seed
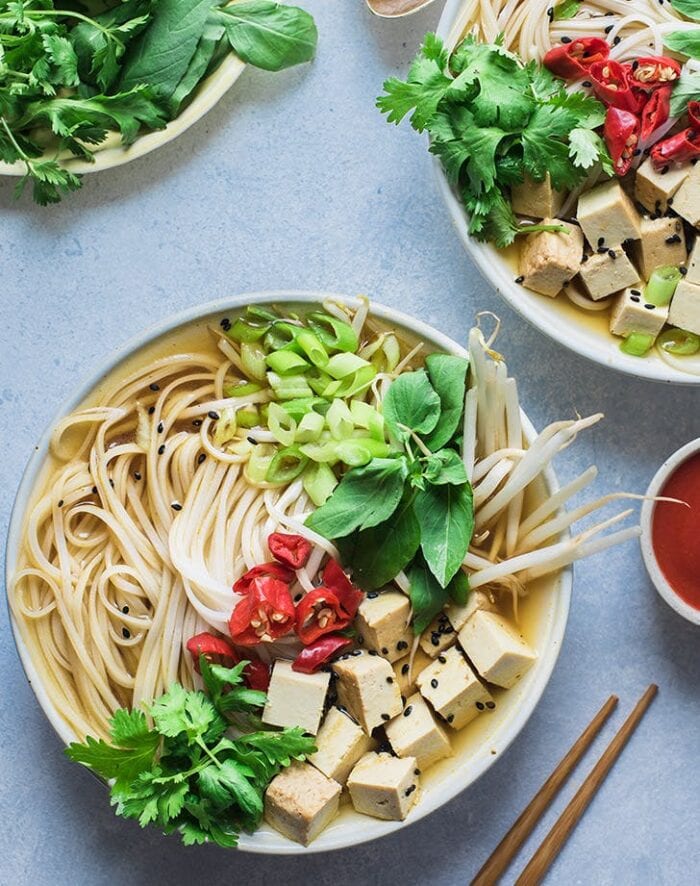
60,503
252,440
161,449
448,630
520,279
197,422
372,595
405,669
94,490
201,457
612,254
434,683
587,84
635,292
601,240
480,706
616,40
584,259
402,644
636,152
298,597
635,65
601,250
674,238
450,718
650,307
137,475
683,271
635,298
491,705
442,659
159,429
225,322
416,771
389,679
664,170
435,639
403,699
409,790
126,633
407,711
356,652
151,410
125,610
373,652
566,39
385,651
154,387
214,416
386,717
609,28
111,482
176,506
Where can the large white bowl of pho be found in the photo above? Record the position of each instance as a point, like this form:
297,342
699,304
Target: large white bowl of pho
293,570
566,137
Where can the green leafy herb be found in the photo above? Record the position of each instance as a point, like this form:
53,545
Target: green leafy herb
411,405
686,90
566,9
689,8
446,517
184,774
448,377
685,42
427,595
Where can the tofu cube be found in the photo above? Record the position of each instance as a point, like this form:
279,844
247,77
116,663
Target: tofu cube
550,259
340,742
536,199
653,189
458,615
405,675
300,802
382,622
295,699
607,215
662,243
415,733
453,689
495,648
367,688
631,313
608,272
384,786
687,199
685,307
693,275
437,636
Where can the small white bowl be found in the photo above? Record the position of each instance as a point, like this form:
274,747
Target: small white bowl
672,463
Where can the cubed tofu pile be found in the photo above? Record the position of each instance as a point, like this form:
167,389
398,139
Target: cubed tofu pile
620,239
381,717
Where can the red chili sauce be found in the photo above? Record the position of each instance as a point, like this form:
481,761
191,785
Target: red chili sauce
675,531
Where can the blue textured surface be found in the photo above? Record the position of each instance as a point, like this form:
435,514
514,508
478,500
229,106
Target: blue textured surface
295,180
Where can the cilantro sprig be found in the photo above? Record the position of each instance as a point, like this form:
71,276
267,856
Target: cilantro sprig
414,510
184,773
492,120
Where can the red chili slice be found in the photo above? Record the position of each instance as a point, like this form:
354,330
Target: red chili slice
656,111
611,85
216,650
349,596
679,148
621,132
265,570
318,653
653,71
265,613
257,675
318,613
694,114
572,60
290,550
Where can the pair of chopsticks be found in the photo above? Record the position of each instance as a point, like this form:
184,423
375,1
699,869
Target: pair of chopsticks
552,844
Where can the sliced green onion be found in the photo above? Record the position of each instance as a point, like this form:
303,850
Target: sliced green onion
679,342
225,427
357,383
392,352
359,451
312,348
259,314
286,465
323,451
367,417
253,361
335,334
339,420
319,382
242,331
281,424
319,482
248,417
309,428
242,389
637,344
662,285
283,336
299,408
286,363
258,464
290,387
342,365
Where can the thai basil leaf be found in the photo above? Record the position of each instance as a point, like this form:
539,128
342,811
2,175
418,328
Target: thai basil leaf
427,596
689,8
445,466
448,376
411,403
446,518
687,89
458,588
685,42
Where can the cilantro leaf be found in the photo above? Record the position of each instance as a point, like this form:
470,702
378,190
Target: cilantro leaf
545,147
279,748
587,148
191,714
226,784
225,688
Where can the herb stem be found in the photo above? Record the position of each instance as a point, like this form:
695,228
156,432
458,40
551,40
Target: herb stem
65,13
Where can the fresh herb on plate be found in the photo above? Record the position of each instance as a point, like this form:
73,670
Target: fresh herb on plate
684,42
413,510
493,120
67,78
566,9
185,774
689,8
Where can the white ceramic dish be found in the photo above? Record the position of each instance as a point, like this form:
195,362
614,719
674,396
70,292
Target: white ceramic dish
672,463
556,317
112,153
485,739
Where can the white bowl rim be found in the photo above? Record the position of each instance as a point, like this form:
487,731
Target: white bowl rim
669,467
207,94
536,309
560,607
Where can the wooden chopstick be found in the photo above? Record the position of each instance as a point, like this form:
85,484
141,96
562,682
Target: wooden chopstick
552,844
503,854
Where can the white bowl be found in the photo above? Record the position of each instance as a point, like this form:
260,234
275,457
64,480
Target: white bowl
112,153
483,741
672,463
556,317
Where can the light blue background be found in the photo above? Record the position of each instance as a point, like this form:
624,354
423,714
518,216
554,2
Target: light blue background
295,180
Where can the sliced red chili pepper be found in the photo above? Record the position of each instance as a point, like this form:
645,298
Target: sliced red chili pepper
572,60
265,613
318,653
318,613
290,550
694,114
216,650
621,132
349,596
653,71
656,111
265,570
611,85
257,675
677,148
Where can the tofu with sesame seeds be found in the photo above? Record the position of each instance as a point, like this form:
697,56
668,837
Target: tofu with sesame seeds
549,259
693,274
496,649
406,674
653,189
295,699
384,786
687,199
300,802
606,272
458,615
437,636
662,243
453,689
340,743
607,215
630,313
416,733
536,199
367,688
382,624
685,307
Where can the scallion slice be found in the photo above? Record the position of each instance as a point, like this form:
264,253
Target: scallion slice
359,450
286,363
286,465
335,334
312,347
637,344
253,360
342,365
309,428
319,482
242,389
662,285
339,420
281,424
290,387
679,342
